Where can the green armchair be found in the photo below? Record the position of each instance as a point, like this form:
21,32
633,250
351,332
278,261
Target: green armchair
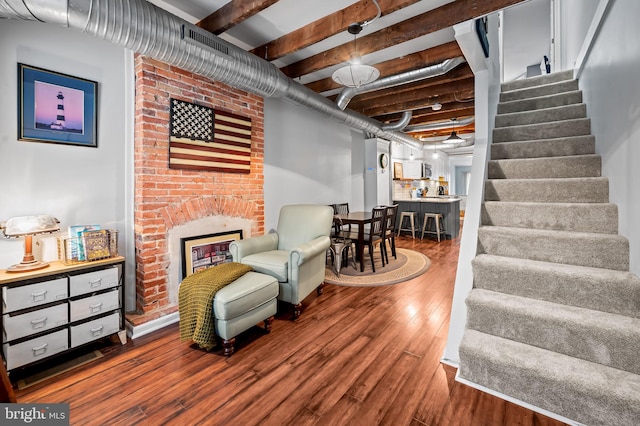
295,254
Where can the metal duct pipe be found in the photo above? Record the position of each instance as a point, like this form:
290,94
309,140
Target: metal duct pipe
439,125
144,28
444,67
400,124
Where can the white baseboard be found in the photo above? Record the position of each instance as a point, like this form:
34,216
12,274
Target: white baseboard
517,401
148,327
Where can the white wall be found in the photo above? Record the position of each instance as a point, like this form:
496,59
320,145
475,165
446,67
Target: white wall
611,91
309,159
526,36
573,20
76,184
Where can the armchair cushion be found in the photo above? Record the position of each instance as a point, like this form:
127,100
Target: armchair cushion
272,262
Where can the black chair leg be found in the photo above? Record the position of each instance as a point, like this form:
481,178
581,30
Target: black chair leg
373,265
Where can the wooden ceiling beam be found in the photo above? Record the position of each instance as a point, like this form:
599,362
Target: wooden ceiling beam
393,102
232,14
427,115
442,17
395,66
460,73
326,27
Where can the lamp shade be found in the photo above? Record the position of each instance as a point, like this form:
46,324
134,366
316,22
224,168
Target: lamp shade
453,138
24,225
355,75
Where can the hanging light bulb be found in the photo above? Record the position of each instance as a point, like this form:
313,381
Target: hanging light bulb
453,137
435,152
356,73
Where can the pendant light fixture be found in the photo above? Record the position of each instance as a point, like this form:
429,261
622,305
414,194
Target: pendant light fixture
356,73
453,137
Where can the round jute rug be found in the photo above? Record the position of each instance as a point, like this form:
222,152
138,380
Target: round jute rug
408,265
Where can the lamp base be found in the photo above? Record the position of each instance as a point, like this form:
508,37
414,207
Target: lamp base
26,267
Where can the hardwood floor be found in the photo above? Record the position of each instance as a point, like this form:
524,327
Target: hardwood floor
356,356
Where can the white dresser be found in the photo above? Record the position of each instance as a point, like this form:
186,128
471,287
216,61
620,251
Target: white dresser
59,308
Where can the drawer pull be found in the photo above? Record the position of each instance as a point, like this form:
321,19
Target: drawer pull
96,307
40,350
96,331
39,296
95,283
38,323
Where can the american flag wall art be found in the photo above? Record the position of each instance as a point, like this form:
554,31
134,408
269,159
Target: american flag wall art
204,139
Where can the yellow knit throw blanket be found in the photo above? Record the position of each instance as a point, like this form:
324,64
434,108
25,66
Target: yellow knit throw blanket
195,301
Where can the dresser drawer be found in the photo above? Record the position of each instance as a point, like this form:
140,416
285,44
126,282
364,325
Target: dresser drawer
93,281
94,305
27,296
92,330
36,349
33,322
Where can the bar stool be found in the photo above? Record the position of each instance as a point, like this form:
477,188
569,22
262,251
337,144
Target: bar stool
412,221
426,228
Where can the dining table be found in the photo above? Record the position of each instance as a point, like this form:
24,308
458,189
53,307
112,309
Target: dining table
360,219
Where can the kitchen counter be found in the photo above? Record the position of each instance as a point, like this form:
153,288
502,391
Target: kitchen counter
447,205
431,199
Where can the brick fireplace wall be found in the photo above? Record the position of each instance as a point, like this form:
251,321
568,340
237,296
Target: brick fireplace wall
166,198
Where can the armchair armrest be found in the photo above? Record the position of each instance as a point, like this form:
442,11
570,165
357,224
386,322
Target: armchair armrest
243,248
309,250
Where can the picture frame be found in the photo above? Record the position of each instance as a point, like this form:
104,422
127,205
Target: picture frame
397,170
204,251
56,108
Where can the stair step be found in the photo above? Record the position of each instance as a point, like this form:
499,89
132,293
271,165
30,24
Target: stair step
576,217
550,167
549,101
560,129
568,190
574,145
537,91
580,390
546,115
616,292
539,80
595,336
572,248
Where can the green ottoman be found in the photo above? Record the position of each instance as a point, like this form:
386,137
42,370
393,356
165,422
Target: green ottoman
237,307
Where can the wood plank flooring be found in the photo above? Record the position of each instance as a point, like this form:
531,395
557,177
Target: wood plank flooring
356,356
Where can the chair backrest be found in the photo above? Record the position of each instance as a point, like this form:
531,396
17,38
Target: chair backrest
300,223
342,208
378,218
392,213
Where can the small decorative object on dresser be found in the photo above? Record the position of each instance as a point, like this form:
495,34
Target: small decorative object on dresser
27,227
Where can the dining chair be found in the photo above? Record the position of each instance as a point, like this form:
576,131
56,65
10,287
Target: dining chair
340,248
389,231
341,208
376,232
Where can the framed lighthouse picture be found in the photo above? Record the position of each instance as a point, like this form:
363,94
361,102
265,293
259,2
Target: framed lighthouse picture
56,108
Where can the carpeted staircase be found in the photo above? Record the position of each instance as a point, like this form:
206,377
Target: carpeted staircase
554,315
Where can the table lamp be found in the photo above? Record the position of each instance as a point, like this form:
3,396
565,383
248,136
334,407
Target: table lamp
27,227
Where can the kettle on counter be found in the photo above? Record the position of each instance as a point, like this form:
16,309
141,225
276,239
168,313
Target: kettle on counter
440,190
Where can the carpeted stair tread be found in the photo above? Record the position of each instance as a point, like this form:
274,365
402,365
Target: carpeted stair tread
616,292
560,129
540,102
547,115
576,217
596,336
538,80
536,168
569,190
576,389
574,248
542,148
537,91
